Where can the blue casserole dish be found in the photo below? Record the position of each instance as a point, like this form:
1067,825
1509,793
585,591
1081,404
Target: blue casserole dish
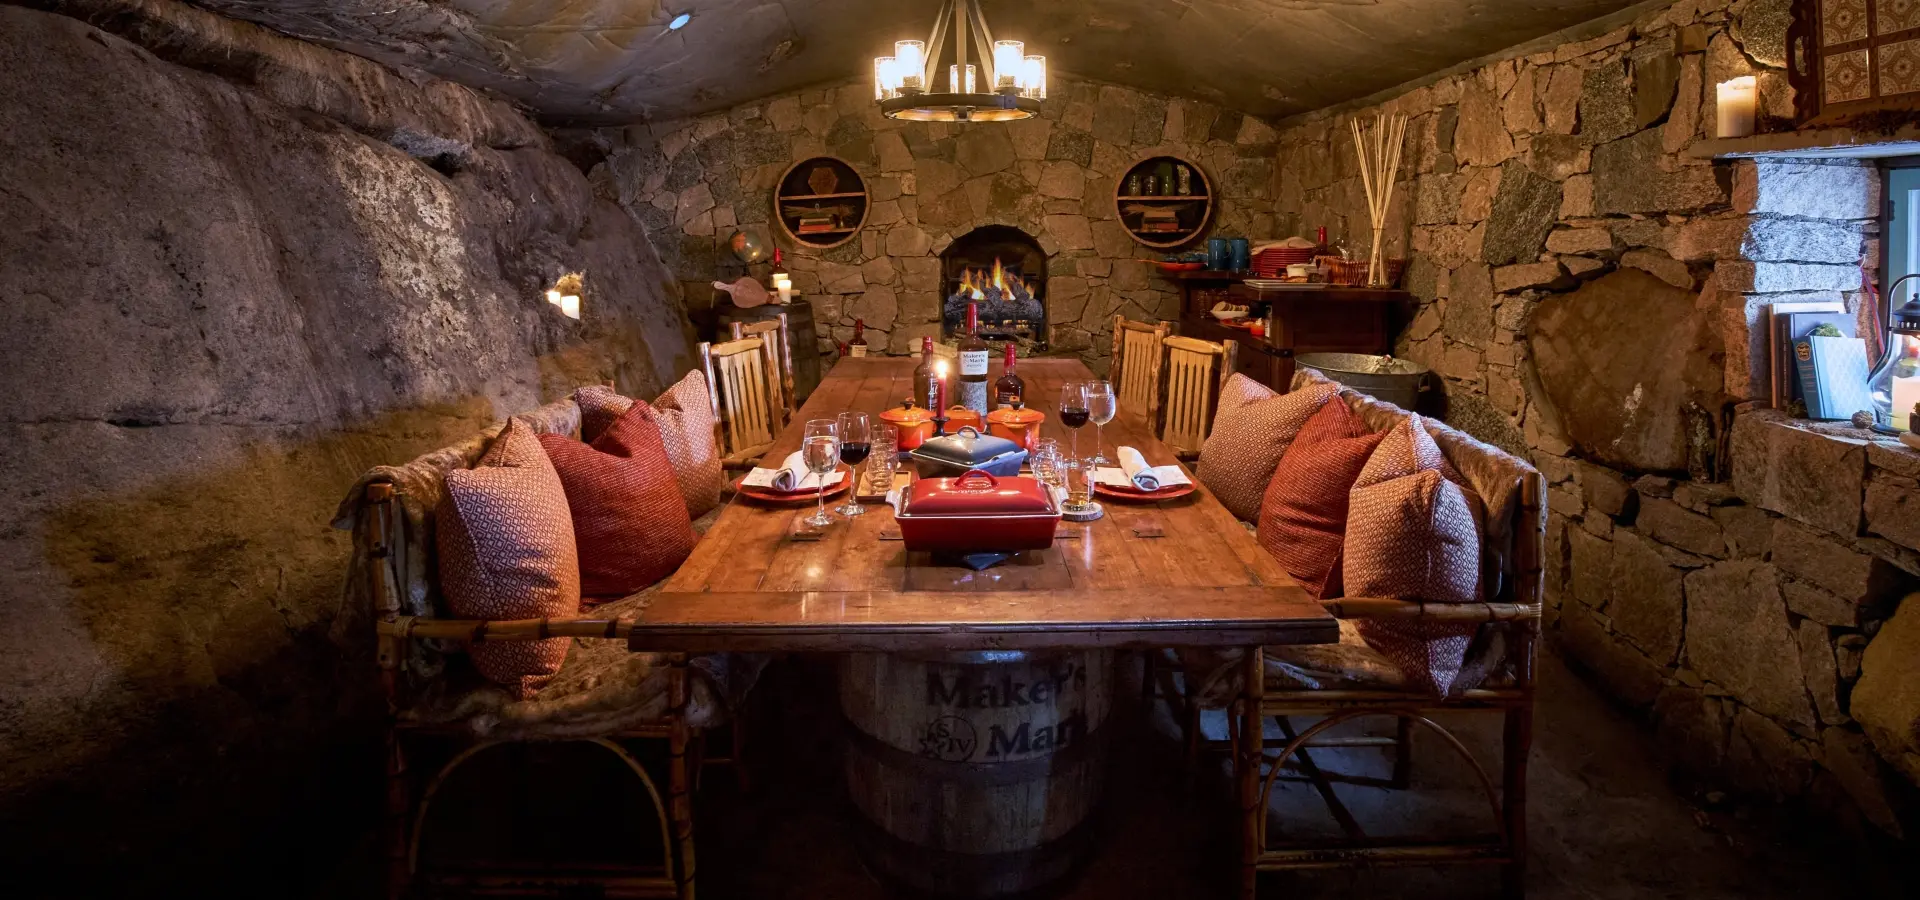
954,455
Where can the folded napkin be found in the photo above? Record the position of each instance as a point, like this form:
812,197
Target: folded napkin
1135,472
1292,243
791,476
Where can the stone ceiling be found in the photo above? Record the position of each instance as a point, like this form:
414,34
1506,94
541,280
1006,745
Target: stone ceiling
615,61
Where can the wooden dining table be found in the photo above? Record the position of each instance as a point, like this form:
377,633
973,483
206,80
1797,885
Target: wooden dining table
1148,575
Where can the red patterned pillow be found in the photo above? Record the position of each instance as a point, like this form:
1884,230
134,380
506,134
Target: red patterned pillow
506,548
1252,429
1413,533
1304,514
684,414
629,519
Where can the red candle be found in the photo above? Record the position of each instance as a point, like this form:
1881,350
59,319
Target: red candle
940,387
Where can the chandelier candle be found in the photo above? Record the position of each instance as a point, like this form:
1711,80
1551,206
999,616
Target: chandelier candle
973,365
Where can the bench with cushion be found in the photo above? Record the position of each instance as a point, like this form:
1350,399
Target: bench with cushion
602,692
1475,652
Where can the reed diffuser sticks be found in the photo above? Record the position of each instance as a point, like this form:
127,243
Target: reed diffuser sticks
1379,147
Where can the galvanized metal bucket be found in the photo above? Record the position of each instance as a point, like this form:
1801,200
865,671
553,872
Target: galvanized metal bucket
1396,381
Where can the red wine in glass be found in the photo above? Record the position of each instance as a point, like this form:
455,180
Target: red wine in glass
1074,416
854,453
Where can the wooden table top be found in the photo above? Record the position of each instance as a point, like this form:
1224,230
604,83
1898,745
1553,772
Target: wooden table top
1174,573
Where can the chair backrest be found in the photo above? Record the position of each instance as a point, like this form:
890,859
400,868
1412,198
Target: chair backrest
1138,358
777,356
1193,373
743,392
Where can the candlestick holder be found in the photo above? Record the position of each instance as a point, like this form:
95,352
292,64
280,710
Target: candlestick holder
939,425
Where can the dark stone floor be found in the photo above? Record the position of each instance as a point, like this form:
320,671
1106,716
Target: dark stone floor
1605,820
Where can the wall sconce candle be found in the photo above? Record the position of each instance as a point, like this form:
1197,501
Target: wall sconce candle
1737,100
565,294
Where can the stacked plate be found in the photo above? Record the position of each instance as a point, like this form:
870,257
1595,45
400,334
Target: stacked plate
1273,261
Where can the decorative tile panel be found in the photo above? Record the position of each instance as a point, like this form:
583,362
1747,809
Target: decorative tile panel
1895,15
1844,77
1900,68
1842,21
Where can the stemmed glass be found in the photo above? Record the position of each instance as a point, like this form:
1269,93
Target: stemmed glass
820,449
1073,410
1101,406
854,447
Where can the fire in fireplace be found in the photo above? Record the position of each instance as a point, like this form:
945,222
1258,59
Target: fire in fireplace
1004,271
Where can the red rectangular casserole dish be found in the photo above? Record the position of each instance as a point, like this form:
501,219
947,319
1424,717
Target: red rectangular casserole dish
977,513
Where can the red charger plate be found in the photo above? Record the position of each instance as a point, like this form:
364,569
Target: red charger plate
1165,493
809,495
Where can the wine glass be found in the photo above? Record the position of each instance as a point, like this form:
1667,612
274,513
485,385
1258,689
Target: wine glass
1073,410
1101,406
854,447
820,449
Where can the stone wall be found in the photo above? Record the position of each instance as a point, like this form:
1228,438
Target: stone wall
693,183
1591,295
239,271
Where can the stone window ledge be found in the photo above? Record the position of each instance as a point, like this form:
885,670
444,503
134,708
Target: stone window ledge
1818,143
1849,482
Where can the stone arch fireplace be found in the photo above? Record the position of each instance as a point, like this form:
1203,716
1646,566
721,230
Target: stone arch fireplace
1004,270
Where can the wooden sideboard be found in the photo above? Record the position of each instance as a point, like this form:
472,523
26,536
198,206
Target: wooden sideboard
1325,320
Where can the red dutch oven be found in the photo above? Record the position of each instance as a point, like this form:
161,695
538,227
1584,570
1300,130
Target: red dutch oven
978,513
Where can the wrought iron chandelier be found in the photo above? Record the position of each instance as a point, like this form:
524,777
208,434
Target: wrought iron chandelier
1015,83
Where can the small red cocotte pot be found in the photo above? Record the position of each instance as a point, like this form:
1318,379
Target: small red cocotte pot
978,513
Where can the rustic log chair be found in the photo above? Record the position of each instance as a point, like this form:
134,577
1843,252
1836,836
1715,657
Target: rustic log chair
1349,681
777,356
1139,357
604,695
1191,376
744,392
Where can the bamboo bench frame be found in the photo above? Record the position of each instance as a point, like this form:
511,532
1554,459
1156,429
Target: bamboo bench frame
404,819
1256,770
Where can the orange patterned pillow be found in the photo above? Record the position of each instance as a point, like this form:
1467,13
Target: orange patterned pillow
1252,429
629,520
1304,513
1413,533
685,416
505,539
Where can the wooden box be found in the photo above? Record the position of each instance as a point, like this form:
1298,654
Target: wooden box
1846,58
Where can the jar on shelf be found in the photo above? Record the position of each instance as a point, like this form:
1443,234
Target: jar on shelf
1894,386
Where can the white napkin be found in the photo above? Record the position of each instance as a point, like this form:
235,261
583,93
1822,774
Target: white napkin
1134,472
791,476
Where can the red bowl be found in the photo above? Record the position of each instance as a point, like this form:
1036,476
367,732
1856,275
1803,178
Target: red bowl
1180,266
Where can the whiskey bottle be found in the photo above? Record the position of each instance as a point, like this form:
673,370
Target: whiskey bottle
1009,389
857,348
973,365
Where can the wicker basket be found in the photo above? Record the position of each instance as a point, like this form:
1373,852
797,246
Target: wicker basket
1353,273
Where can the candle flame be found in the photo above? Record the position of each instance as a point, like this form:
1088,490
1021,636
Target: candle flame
940,368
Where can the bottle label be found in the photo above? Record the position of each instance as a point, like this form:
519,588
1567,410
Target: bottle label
973,395
973,362
856,350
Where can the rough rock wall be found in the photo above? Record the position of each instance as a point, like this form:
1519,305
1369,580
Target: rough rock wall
693,182
1591,295
227,291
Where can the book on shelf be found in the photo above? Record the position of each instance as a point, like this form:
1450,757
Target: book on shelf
1788,323
1833,375
813,225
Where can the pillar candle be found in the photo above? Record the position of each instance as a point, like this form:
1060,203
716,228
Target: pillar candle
1906,392
1737,98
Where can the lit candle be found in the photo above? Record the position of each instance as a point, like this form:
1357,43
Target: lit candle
1736,101
939,386
955,83
1035,72
783,286
1906,392
882,77
1009,61
911,59
570,306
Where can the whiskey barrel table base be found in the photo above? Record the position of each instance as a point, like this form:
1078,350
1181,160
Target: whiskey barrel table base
977,774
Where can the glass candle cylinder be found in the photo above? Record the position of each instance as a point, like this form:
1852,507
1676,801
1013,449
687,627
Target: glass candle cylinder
956,83
883,75
1009,59
1035,72
911,58
1737,98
